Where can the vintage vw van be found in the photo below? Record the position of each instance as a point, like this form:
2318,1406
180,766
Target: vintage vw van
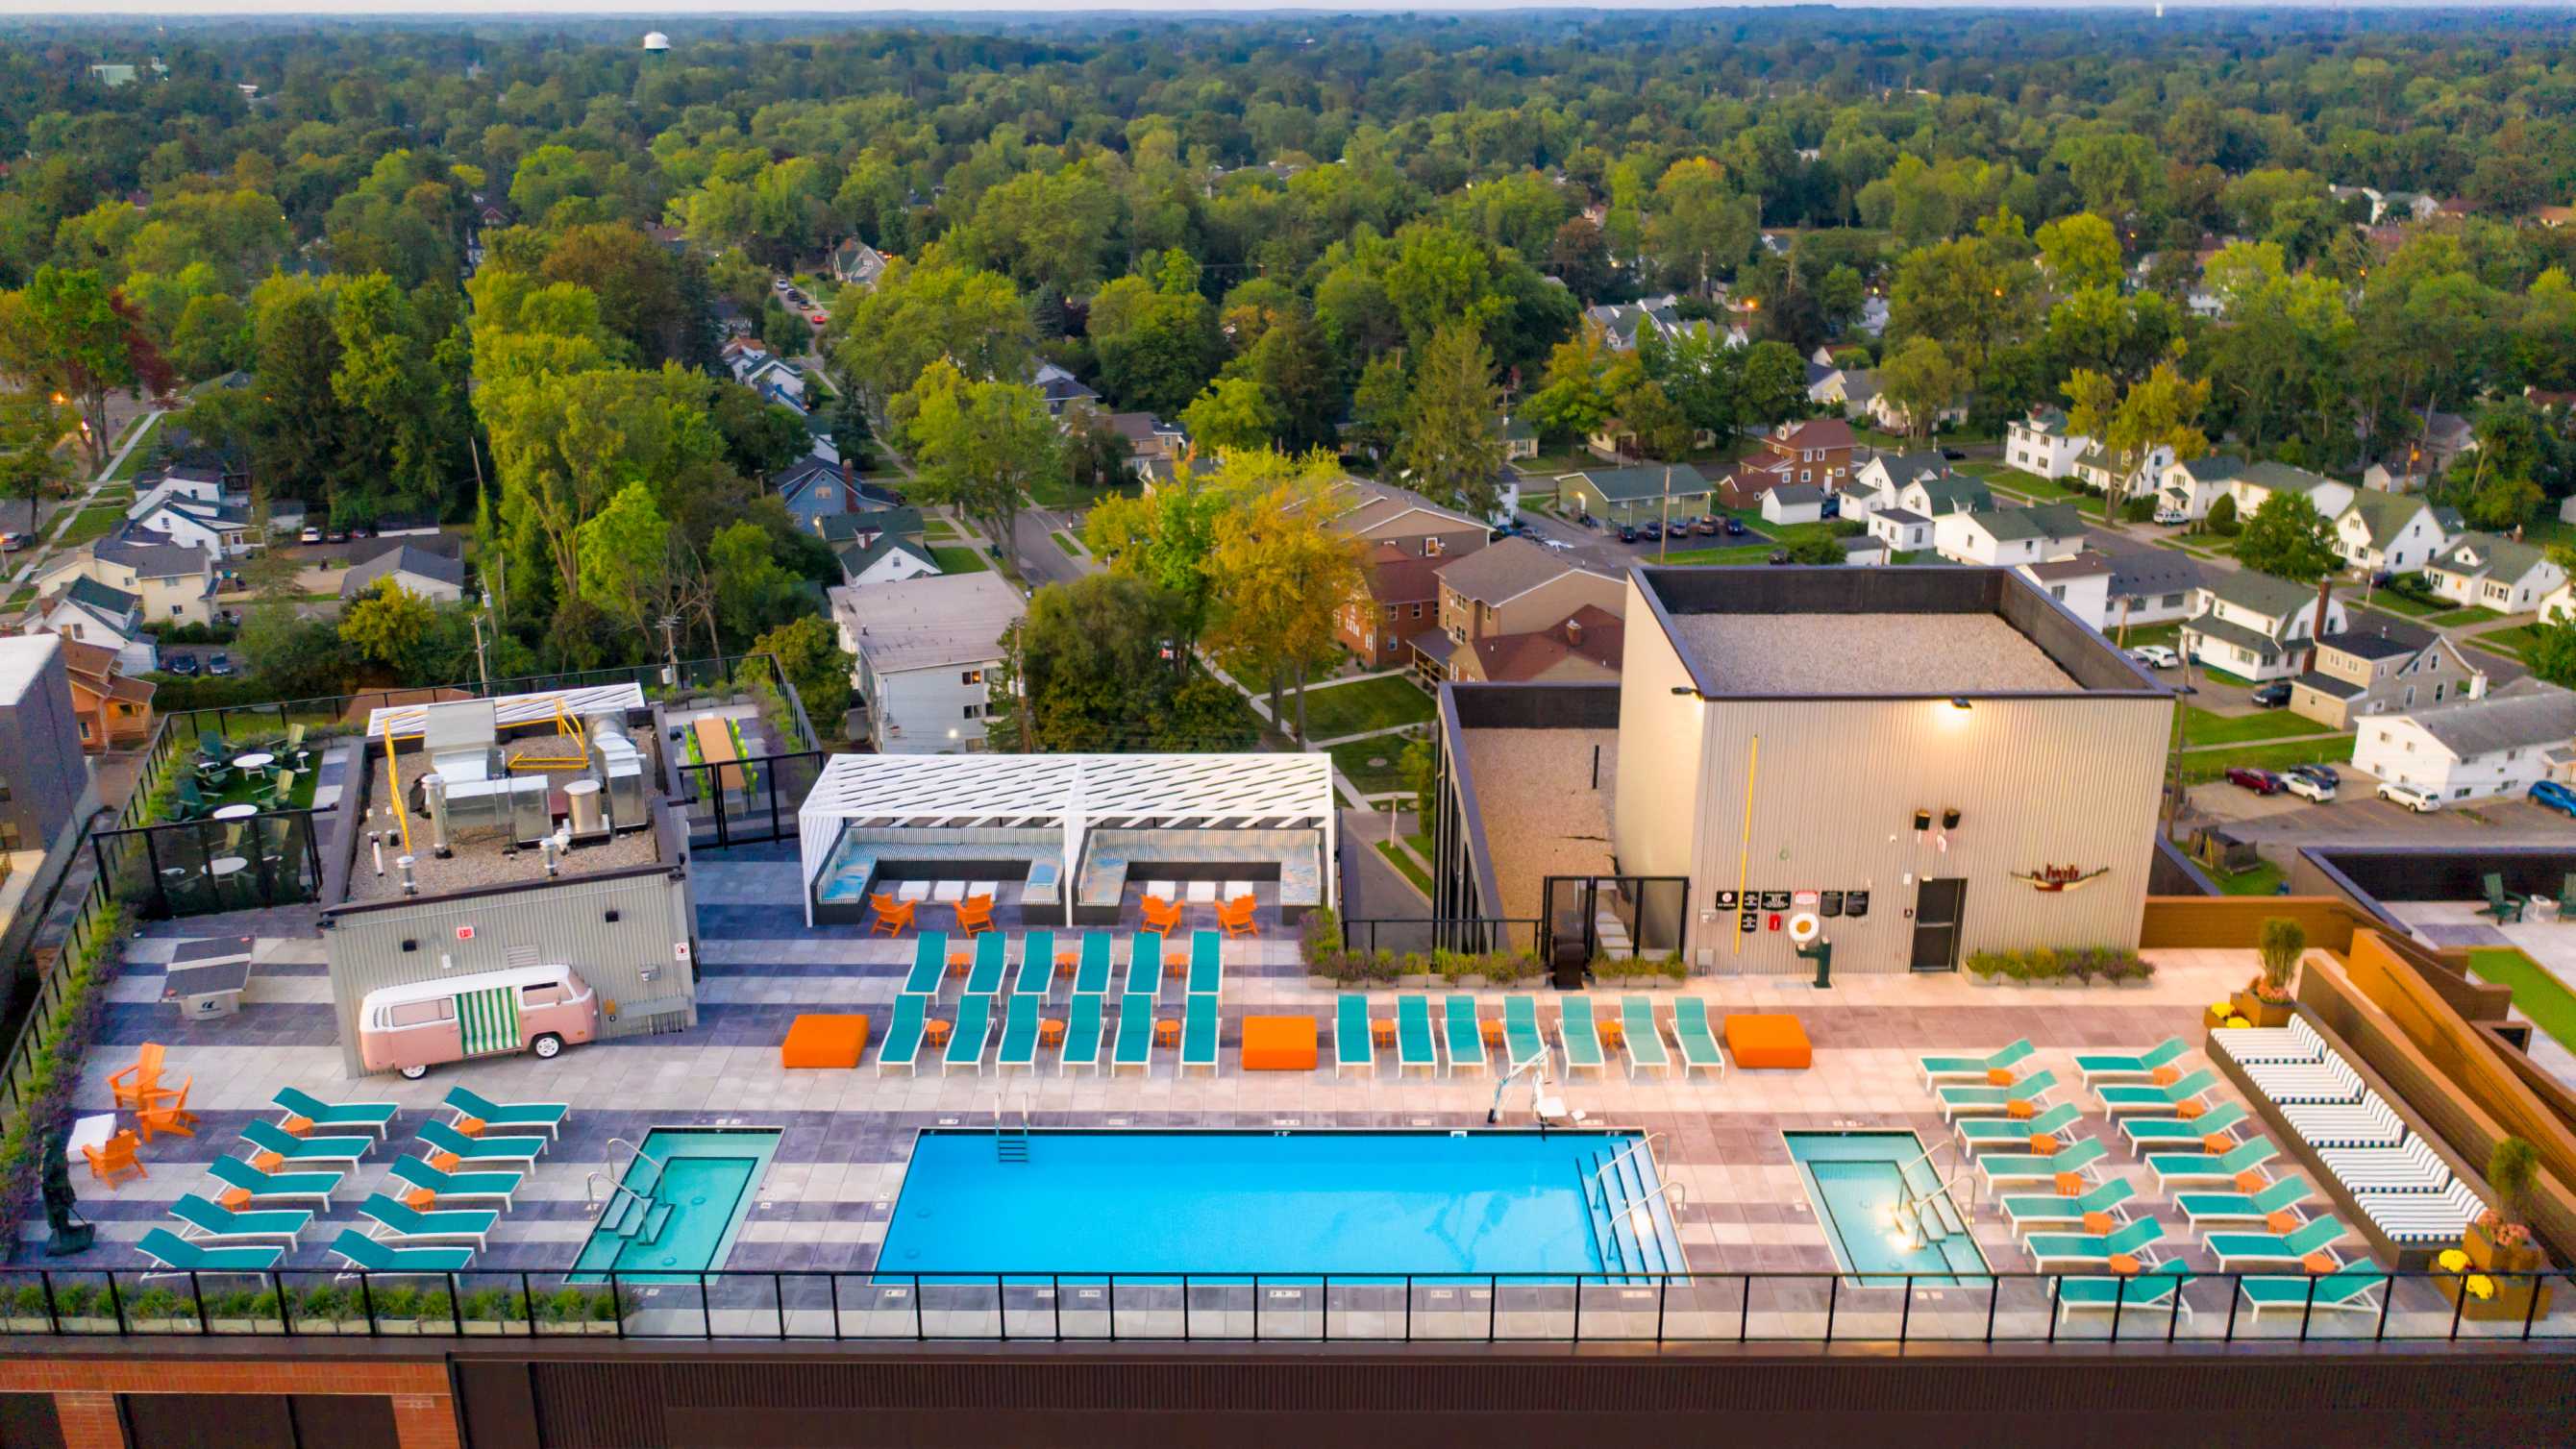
409,1029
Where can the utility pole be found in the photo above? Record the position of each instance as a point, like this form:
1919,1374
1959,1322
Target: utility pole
1665,538
482,666
670,650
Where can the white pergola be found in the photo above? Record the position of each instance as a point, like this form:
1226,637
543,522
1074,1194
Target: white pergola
509,710
1071,793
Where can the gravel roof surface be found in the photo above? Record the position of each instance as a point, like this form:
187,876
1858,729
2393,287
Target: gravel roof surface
1541,815
1859,654
479,860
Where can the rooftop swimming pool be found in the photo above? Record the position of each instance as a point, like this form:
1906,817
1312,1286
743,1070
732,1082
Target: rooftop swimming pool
1884,1210
1284,1203
681,1202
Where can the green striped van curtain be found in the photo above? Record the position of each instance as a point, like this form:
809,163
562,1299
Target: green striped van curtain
490,1020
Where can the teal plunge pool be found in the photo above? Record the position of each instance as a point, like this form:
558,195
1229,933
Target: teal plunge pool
1883,1209
679,1204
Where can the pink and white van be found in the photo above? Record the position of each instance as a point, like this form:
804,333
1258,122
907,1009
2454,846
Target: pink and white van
409,1029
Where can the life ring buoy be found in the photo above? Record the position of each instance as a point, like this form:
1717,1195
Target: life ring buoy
1805,928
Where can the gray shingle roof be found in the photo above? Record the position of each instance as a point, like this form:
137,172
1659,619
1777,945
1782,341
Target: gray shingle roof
149,555
1504,570
2153,571
2273,597
2484,553
1627,485
2050,520
404,559
2520,716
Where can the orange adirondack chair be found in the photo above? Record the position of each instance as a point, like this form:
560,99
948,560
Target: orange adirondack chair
115,1160
137,1085
1161,915
974,914
1235,916
171,1117
892,915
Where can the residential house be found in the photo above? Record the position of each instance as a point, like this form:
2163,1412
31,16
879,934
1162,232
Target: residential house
2494,573
1061,389
1839,389
1514,587
175,581
2150,586
1892,416
2254,483
1582,648
1817,451
2255,626
1378,513
856,264
2190,487
2403,476
2000,537
199,487
222,529
415,570
1520,439
2040,444
1875,483
774,378
1401,601
114,709
2362,673
2081,582
815,490
1634,495
1865,551
927,650
1623,323
1154,447
2468,749
1614,442
1793,503
2432,439
886,557
1909,524
2560,606
2398,532
2124,476
93,613
2400,207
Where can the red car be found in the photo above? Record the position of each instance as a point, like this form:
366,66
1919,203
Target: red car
2261,782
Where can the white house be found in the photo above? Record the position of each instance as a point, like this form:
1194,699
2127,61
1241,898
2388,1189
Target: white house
2041,444
2124,476
203,490
2473,748
927,649
774,376
1875,484
2255,626
888,558
2560,606
1937,496
1793,503
2001,537
2398,532
2150,586
222,530
95,613
416,571
2256,482
2082,583
2189,488
1901,530
2494,573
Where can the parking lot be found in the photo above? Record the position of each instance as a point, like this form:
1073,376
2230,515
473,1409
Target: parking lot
2356,816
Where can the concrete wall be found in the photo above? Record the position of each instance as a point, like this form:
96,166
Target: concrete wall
1662,739
40,754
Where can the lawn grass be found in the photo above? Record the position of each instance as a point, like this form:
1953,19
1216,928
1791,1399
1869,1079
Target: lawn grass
2046,490
1065,541
1367,704
93,522
938,528
2262,880
959,559
2542,997
2212,764
2459,617
141,455
243,787
2202,728
2413,608
1060,495
2513,641
1751,553
1396,857
2169,634
1352,758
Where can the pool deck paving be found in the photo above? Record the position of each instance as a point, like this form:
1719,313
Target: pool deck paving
830,1191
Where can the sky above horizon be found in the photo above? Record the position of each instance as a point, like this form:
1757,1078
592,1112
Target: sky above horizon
842,9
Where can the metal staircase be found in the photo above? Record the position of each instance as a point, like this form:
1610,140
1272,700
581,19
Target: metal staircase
1632,1222
1010,1139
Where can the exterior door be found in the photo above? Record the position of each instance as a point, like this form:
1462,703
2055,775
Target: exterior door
1939,906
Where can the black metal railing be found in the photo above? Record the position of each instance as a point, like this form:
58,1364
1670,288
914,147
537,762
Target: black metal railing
743,802
1421,935
861,1307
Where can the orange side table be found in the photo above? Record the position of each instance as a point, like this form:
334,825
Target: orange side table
1167,1032
1382,1030
958,962
1051,1032
1493,1029
1612,1033
935,1032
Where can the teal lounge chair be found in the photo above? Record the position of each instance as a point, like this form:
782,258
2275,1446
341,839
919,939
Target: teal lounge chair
1199,1032
2241,1207
325,1115
2172,1168
1979,1133
1135,1035
2234,1250
1019,1034
2057,1213
177,1255
366,1255
1091,974
2147,1098
2216,1122
902,1047
464,1186
929,964
1964,1101
1579,1036
1465,1035
1413,1041
1521,1039
2157,1287
1207,963
1145,965
1081,1034
1937,1069
398,1224
2078,1158
2059,1251
1699,1044
966,1041
274,1186
467,1103
269,1137
2094,1066
480,1150
1353,1043
214,1225
1037,966
992,965
2349,1289
1640,1038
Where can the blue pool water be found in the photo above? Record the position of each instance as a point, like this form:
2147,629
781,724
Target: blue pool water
691,1190
1855,1180
1276,1202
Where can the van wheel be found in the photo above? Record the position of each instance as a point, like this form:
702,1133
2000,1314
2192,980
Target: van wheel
546,1046
414,1074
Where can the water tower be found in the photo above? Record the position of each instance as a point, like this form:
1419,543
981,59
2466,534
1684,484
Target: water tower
656,43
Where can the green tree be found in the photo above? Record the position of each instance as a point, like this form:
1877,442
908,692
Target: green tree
1380,405
749,588
387,627
1775,383
808,650
1279,578
883,338
70,335
32,429
1452,450
1234,412
1698,226
2080,252
981,446
2287,538
624,558
1921,378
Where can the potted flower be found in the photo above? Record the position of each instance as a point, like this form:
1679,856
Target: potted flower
2501,1241
2265,1000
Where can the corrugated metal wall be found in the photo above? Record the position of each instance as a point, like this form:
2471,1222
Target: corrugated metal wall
1661,754
564,922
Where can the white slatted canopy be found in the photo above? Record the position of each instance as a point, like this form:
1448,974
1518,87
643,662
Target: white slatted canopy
406,720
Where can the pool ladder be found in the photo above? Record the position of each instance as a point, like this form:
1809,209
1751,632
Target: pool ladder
1010,1142
1631,1209
1933,1215
628,1211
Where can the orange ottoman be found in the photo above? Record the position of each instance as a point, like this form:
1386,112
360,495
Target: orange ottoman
824,1041
1763,1040
1279,1043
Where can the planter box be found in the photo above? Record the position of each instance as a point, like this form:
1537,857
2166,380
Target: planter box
2490,1258
1986,981
2260,1012
2512,1302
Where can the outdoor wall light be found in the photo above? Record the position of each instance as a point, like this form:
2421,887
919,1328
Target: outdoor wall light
1950,818
612,915
1922,821
1960,702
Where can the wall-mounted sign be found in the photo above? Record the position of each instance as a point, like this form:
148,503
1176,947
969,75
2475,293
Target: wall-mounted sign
1829,904
1775,900
1855,904
465,933
2055,878
1748,922
1724,901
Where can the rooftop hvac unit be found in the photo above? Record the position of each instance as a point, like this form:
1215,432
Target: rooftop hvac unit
511,807
619,768
582,807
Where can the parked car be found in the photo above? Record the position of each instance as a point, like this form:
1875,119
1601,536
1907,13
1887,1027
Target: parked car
182,665
2422,802
2275,695
13,540
2156,656
1650,530
2307,787
780,284
2261,782
1707,527
1627,533
537,1009
1587,520
1954,455
336,535
2550,795
1735,528
310,535
360,530
2326,775
2383,578
2170,516
219,665
817,318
